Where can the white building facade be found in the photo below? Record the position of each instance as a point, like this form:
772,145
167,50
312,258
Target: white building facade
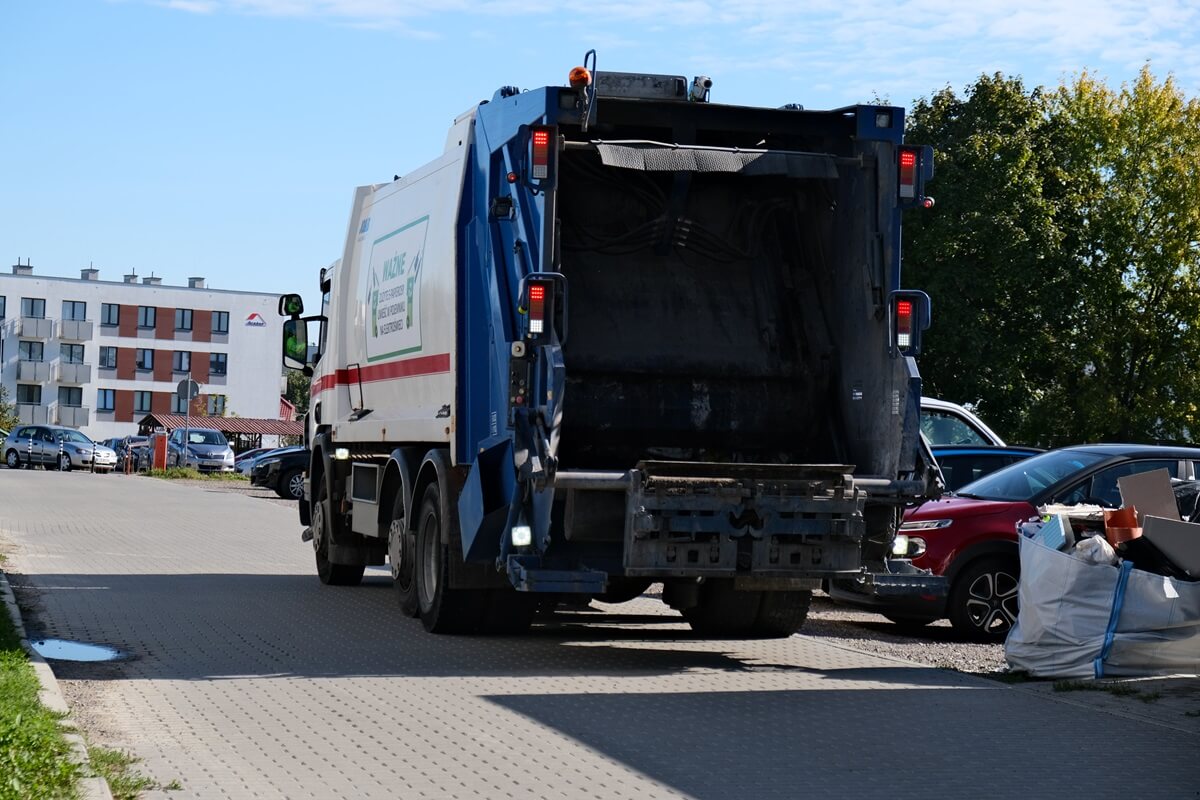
101,355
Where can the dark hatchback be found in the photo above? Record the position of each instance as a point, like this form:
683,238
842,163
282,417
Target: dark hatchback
970,537
963,463
282,471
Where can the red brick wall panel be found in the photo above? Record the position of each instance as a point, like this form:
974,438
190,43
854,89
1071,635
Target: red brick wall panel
126,362
127,321
163,359
123,406
164,323
201,326
160,402
200,367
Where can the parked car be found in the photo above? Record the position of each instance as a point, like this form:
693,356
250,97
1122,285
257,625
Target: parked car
282,471
970,537
53,445
961,464
943,422
204,449
246,467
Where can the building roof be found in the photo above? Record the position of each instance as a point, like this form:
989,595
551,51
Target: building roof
235,425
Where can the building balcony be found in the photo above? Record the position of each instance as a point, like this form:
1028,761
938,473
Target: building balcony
30,414
71,416
75,330
33,371
36,328
74,373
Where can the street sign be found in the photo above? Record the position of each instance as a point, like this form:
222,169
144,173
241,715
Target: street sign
188,389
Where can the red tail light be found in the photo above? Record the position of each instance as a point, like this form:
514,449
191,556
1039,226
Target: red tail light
540,160
908,172
537,307
904,323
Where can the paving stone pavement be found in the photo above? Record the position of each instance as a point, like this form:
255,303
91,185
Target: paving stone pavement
248,679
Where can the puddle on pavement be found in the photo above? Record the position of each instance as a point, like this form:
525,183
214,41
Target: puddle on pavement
64,650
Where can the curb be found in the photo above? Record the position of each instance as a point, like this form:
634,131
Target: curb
95,788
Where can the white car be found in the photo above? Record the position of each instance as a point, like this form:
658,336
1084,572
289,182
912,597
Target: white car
943,422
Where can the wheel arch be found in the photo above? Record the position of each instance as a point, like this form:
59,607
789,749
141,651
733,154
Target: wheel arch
403,463
978,551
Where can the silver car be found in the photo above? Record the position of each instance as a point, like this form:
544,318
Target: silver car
204,449
55,446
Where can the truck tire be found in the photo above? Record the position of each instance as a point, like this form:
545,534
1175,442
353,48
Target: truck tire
443,609
330,574
983,600
401,550
725,612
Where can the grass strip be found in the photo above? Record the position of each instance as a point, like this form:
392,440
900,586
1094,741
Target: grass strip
35,760
176,473
124,781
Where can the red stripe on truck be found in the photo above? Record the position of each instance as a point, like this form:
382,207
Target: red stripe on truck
408,368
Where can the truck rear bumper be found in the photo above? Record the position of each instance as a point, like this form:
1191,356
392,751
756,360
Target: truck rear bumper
899,587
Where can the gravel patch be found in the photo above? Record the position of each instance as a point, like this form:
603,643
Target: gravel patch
937,645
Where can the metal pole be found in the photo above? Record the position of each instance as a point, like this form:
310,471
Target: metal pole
187,414
60,453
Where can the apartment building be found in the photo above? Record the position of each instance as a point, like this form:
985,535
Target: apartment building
100,355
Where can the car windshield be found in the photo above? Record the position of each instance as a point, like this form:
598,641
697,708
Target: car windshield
1024,479
71,436
205,437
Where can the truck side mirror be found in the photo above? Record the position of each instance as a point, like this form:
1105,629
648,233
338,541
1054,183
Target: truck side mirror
291,305
295,344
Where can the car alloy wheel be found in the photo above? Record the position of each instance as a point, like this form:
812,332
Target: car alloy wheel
296,485
983,602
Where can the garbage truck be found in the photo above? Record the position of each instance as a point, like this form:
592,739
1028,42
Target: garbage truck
619,335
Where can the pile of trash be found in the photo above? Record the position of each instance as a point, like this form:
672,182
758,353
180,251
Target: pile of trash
1112,593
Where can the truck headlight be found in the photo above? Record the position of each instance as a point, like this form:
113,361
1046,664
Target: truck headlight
522,536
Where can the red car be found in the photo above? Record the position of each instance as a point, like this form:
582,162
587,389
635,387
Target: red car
970,537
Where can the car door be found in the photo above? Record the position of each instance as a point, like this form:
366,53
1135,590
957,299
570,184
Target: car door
1102,485
45,448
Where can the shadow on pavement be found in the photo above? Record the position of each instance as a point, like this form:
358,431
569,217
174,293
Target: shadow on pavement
196,627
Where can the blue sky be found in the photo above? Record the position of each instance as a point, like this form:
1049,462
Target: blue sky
223,138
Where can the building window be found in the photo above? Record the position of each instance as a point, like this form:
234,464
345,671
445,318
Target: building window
30,351
147,316
108,358
106,400
29,394
34,307
216,405
183,319
71,396
74,310
72,353
110,314
220,322
141,402
178,404
145,359
2,306
217,363
182,361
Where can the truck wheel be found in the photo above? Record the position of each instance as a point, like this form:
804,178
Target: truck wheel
401,549
330,574
622,590
725,612
443,610
983,601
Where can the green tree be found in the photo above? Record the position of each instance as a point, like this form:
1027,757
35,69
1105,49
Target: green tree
297,390
990,253
1134,155
8,412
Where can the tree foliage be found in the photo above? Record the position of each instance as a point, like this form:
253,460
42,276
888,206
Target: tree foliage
297,390
8,411
1062,257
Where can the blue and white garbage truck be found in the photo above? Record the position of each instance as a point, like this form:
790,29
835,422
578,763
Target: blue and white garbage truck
618,334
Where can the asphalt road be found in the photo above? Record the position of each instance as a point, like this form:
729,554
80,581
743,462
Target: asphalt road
246,678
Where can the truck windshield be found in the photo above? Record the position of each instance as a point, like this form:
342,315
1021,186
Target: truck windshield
1024,479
